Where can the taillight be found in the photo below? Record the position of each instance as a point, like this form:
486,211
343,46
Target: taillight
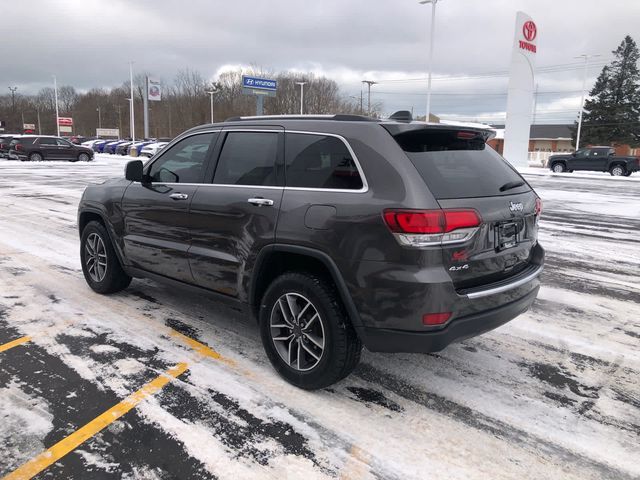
421,228
18,147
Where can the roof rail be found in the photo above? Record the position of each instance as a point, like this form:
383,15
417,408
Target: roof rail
338,117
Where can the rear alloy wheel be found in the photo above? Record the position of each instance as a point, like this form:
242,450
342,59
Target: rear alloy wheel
306,333
558,168
83,157
617,171
35,157
100,265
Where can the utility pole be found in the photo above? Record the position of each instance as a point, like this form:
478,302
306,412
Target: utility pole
302,84
584,84
99,117
55,92
39,128
13,97
132,114
211,93
369,83
430,60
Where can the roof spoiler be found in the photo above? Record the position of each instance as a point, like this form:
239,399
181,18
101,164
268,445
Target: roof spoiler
402,116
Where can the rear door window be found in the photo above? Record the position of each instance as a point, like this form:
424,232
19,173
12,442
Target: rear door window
459,164
248,158
320,161
47,141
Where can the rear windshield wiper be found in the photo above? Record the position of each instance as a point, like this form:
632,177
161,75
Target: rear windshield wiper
510,185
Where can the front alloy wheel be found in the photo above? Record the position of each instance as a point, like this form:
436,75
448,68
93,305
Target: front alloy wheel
558,168
100,264
96,257
297,331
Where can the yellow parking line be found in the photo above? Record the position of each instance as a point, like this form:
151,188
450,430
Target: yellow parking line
202,349
70,443
14,343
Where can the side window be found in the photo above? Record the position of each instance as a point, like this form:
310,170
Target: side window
320,161
184,162
248,158
594,153
47,141
63,143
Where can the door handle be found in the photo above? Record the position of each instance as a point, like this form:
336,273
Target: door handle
260,202
179,196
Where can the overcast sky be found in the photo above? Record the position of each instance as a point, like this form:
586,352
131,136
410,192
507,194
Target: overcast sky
88,43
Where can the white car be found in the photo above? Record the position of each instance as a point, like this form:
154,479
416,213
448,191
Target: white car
153,148
89,143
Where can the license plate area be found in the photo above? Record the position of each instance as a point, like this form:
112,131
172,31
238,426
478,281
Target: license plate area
507,235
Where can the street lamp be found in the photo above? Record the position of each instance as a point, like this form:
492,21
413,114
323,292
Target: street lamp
584,84
99,117
302,84
55,92
430,64
211,93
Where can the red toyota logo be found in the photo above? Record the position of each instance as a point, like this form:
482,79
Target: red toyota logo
529,31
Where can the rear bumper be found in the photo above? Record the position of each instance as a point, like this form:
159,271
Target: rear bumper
388,340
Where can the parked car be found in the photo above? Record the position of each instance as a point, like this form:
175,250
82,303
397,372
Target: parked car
90,143
111,146
596,159
38,148
151,149
138,146
99,145
5,141
122,148
333,232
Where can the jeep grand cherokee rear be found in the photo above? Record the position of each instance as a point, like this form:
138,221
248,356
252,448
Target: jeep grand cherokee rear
333,231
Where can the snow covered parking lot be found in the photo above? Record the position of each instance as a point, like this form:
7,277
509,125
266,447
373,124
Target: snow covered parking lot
190,394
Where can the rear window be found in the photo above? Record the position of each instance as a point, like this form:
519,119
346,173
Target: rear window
459,164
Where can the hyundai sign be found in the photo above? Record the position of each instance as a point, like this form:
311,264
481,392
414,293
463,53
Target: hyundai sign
254,83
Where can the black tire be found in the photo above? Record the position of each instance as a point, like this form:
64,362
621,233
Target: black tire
114,278
617,171
628,174
342,347
558,167
84,157
36,157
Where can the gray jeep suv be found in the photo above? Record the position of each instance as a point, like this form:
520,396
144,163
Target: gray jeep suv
333,231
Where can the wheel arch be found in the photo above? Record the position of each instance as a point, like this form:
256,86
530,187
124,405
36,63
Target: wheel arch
276,259
88,215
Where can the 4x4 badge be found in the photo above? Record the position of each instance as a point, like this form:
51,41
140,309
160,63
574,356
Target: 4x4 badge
516,207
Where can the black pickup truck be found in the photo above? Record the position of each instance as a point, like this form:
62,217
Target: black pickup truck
597,159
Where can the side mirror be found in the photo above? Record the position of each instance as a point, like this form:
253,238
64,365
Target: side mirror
133,171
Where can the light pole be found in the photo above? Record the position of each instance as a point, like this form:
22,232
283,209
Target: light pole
55,93
369,83
211,93
302,84
584,84
132,115
430,61
99,117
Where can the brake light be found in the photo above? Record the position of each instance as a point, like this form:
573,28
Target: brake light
19,147
466,135
435,318
420,228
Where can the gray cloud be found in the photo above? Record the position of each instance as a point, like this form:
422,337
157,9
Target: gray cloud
88,43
